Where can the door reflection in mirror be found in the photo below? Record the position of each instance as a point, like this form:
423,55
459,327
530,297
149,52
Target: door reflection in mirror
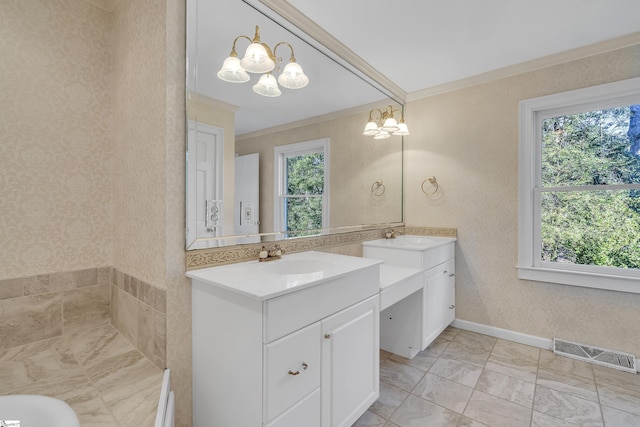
205,170
247,198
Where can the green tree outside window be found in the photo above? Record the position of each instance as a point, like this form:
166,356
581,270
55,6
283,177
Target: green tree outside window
591,226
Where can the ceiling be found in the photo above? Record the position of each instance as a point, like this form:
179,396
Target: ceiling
419,44
415,46
212,26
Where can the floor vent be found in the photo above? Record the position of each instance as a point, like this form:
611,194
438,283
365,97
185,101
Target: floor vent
599,356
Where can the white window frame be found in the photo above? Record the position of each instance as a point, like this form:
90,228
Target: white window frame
532,113
281,153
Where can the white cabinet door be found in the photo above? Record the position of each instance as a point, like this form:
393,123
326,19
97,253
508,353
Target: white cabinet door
436,301
450,314
350,363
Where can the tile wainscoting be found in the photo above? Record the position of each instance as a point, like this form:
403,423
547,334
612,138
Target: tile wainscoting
45,306
138,311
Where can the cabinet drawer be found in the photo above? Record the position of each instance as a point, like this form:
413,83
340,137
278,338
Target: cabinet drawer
305,413
420,259
395,256
288,313
291,370
437,255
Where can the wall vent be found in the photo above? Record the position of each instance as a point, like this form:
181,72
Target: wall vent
599,356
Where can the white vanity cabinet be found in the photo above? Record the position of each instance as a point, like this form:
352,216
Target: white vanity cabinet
435,256
285,345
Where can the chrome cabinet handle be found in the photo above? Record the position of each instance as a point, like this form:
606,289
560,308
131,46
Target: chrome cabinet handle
301,368
452,274
451,307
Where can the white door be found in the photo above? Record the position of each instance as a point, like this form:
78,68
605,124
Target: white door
350,363
204,169
247,197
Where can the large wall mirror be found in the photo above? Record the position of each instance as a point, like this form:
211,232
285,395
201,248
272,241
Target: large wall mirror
266,168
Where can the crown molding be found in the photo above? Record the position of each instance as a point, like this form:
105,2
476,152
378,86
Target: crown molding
332,47
528,66
203,99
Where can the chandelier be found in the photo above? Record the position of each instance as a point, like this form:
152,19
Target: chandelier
260,59
385,124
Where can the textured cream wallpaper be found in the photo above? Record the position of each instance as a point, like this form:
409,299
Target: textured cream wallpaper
92,153
149,46
357,161
139,172
468,139
55,152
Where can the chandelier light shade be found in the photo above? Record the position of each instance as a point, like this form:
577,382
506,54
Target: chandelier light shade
232,71
267,86
292,77
382,135
385,124
256,59
390,125
259,58
402,129
371,129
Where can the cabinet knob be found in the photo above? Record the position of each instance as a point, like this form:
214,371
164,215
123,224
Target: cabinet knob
301,368
452,274
451,307
327,336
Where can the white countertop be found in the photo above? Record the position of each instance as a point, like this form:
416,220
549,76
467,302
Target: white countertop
391,274
409,242
265,280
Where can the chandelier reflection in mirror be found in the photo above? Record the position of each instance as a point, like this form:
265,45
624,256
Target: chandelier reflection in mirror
260,59
385,124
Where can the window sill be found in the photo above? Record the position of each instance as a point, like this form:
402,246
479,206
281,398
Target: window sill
581,278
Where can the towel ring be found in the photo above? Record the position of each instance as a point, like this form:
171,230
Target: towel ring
378,184
432,180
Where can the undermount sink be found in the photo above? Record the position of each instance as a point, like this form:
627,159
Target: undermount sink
37,411
297,266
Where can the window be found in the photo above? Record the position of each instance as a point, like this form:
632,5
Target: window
579,187
301,204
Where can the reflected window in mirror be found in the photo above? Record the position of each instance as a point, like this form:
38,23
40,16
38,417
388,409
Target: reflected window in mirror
301,200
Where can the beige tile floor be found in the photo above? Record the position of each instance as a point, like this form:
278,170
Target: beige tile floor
469,379
106,380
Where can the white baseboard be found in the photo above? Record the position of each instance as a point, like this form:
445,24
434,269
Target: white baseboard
509,335
505,334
